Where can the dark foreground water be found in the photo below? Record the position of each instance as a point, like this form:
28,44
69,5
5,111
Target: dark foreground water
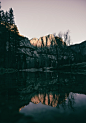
42,97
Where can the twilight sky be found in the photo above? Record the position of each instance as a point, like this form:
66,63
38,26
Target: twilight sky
36,18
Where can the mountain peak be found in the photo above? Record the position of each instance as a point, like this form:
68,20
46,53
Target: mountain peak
46,40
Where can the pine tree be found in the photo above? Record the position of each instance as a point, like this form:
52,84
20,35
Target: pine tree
46,41
6,18
14,43
0,13
3,16
11,16
11,40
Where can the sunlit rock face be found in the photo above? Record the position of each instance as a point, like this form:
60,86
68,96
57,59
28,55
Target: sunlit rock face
49,99
46,41
34,41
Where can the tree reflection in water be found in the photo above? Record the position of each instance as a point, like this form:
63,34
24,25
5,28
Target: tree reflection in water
52,88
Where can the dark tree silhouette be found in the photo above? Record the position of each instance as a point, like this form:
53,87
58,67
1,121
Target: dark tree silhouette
0,13
6,18
11,16
3,16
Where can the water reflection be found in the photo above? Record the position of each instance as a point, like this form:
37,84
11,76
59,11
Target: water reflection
19,91
74,109
49,99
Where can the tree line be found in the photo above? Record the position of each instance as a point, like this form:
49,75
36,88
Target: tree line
9,39
10,57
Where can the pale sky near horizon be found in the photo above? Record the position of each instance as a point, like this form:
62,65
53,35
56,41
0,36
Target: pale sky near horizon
36,18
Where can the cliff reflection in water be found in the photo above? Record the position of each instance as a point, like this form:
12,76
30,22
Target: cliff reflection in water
49,99
17,90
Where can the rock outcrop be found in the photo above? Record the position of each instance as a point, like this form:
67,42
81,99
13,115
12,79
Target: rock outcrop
46,41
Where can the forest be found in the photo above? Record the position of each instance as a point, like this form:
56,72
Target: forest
17,52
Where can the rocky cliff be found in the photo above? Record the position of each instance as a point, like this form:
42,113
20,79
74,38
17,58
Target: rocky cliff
46,41
47,51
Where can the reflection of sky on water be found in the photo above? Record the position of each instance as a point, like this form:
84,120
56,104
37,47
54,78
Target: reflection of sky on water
43,112
17,90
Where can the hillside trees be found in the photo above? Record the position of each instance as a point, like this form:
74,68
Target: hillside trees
66,38
9,42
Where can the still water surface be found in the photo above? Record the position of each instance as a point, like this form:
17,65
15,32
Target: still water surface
42,97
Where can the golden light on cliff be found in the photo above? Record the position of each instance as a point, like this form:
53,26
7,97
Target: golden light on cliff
46,40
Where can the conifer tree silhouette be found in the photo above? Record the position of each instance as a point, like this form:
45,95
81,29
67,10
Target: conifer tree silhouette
11,16
0,13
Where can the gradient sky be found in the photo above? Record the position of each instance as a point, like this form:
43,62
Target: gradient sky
36,18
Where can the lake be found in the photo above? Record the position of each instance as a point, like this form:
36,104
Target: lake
42,97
